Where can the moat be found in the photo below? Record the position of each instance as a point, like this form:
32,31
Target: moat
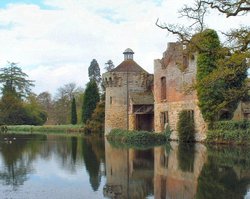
57,166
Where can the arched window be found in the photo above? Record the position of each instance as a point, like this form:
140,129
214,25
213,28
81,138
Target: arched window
163,88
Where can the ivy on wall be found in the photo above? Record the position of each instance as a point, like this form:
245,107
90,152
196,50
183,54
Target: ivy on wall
221,76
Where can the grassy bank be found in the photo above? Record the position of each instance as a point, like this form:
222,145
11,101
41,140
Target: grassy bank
45,129
135,139
230,132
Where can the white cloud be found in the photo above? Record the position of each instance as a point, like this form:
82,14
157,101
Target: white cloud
55,46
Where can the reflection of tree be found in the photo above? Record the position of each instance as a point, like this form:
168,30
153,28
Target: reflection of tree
92,164
186,154
65,149
73,148
17,165
219,178
15,174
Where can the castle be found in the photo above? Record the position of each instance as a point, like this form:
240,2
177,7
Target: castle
137,100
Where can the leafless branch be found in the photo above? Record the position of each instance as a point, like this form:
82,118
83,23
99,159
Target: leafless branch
228,7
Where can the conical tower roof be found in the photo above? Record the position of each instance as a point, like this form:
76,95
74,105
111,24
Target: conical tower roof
128,65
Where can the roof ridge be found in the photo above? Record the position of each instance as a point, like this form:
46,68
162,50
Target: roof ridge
128,66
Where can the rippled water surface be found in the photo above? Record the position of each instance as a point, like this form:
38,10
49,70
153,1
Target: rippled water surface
56,166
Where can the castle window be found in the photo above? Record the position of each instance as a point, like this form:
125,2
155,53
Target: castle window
163,88
110,100
185,61
110,81
164,120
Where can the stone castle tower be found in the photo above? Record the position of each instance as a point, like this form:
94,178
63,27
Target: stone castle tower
123,85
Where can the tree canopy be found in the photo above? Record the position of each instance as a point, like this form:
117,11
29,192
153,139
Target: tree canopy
14,78
90,99
73,111
221,68
109,65
94,71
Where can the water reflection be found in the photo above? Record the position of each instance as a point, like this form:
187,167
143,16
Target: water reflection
177,170
52,166
226,173
130,173
17,158
92,156
33,164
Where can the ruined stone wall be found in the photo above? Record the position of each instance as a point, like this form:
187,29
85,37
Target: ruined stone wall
116,96
179,69
174,108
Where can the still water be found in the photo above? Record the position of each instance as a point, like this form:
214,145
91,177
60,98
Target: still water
56,166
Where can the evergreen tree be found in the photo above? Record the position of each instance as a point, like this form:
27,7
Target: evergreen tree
109,65
13,108
94,71
73,111
13,77
90,99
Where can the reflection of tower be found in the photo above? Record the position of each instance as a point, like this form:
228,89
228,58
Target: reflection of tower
172,179
121,84
129,173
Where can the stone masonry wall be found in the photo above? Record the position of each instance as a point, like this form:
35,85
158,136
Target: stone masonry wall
116,97
179,70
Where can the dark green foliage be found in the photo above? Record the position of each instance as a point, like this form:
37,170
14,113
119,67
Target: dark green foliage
73,111
94,71
221,77
186,154
185,126
237,132
13,77
232,125
219,177
13,109
209,95
92,164
135,139
90,99
96,124
109,66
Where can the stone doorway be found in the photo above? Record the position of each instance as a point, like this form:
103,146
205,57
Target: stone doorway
145,122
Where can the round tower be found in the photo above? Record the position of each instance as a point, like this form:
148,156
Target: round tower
128,77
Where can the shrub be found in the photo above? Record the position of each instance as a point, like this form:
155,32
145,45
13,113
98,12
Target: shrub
135,139
185,126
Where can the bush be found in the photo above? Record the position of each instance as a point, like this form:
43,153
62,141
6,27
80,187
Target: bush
96,124
232,125
135,139
230,132
185,126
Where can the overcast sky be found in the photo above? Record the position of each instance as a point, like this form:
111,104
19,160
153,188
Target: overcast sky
54,41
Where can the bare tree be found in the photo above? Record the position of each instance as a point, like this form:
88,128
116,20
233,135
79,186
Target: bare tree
195,14
228,7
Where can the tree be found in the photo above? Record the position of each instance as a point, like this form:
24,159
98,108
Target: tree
13,108
221,69
34,113
228,7
90,99
109,66
96,124
13,77
62,103
94,71
46,103
73,111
